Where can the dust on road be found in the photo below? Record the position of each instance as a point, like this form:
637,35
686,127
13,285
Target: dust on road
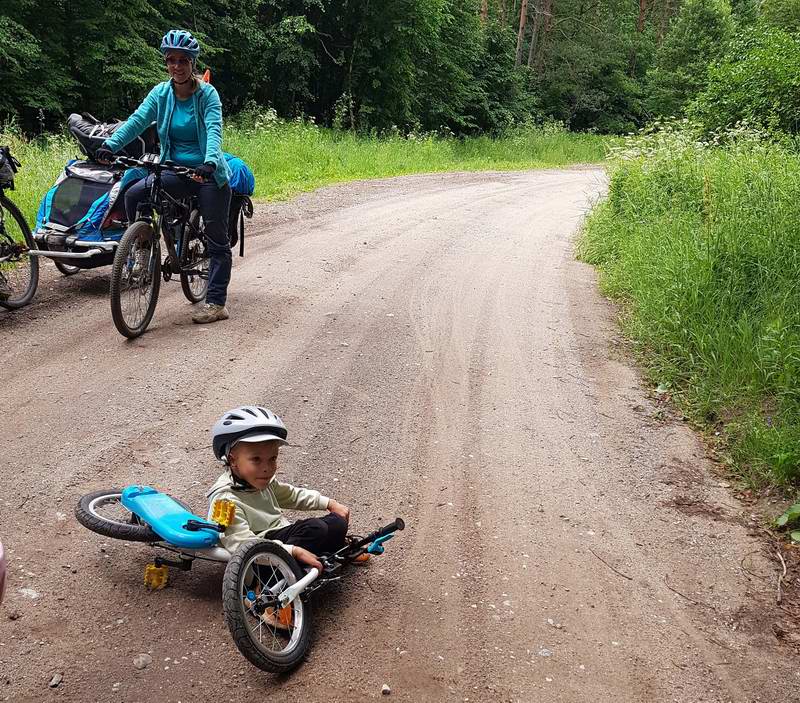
437,354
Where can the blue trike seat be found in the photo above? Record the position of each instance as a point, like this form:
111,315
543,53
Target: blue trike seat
168,518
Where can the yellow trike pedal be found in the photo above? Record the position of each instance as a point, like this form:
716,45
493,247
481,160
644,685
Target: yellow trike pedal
223,511
155,577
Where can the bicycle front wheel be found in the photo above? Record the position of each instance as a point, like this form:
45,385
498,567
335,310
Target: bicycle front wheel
194,259
135,279
19,271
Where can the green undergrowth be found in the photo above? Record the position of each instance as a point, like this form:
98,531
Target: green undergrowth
701,244
293,157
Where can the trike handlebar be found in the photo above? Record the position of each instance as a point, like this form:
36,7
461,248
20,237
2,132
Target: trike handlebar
394,526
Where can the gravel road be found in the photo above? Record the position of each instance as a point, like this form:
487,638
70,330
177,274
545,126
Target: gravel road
437,354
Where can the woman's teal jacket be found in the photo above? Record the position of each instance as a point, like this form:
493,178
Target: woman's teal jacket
158,107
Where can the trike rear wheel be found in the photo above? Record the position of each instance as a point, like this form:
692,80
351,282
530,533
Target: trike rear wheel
276,639
103,512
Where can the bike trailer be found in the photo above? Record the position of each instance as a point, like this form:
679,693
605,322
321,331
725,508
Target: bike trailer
81,218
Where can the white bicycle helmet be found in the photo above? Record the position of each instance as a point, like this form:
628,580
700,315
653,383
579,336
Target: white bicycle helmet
247,423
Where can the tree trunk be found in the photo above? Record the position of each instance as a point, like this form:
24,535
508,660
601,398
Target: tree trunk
545,24
667,10
523,18
642,16
540,14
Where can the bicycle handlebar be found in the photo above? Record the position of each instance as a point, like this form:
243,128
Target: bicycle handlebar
155,166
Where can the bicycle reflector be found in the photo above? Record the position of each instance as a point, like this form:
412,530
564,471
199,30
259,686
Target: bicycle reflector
223,512
155,577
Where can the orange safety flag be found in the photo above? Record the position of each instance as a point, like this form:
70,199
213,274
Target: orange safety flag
207,76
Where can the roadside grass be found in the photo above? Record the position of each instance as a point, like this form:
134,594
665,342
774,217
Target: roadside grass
701,245
289,158
292,157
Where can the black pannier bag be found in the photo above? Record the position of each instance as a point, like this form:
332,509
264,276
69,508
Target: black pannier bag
241,207
8,167
91,133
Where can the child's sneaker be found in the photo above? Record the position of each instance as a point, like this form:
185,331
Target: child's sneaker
282,620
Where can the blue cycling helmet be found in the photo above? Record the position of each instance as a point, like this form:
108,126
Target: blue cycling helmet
180,40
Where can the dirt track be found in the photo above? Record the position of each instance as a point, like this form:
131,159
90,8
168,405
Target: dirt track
439,355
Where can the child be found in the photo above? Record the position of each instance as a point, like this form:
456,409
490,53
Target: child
248,440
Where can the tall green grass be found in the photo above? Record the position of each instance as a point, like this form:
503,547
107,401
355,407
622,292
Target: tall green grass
299,156
292,157
702,245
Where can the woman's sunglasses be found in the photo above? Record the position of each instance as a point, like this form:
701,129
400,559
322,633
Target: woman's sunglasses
179,61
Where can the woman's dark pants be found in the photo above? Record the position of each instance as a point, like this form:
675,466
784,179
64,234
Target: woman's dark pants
214,203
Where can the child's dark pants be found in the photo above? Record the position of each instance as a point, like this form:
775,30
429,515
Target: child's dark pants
320,535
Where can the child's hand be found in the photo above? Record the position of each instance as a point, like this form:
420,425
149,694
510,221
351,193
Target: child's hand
306,557
334,506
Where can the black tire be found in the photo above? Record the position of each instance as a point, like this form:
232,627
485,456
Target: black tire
22,271
66,269
132,288
102,512
194,254
262,645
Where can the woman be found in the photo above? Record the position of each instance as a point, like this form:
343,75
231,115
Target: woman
188,114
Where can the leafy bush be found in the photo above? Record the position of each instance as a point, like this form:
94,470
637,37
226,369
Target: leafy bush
698,32
758,83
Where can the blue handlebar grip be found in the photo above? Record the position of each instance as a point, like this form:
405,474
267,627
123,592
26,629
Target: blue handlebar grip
376,547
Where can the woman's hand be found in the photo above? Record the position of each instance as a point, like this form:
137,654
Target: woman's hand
334,506
306,557
103,156
204,173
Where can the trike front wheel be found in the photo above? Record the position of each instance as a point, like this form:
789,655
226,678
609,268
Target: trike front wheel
270,637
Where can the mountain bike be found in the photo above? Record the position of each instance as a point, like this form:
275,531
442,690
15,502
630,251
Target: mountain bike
265,591
137,270
19,271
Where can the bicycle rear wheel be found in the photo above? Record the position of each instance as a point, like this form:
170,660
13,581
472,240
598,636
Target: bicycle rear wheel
19,271
194,256
135,279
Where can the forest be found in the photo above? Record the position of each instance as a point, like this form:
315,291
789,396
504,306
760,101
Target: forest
452,66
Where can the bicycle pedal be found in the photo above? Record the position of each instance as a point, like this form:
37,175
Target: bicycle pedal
155,577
